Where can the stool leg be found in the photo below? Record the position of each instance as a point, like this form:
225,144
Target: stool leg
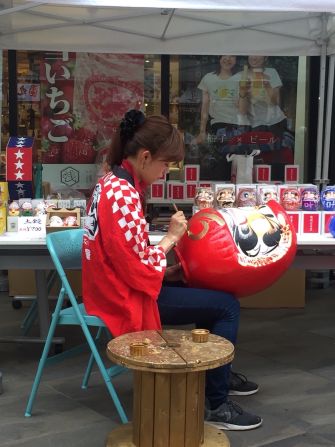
171,416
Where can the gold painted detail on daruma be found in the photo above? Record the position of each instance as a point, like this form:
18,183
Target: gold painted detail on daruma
205,225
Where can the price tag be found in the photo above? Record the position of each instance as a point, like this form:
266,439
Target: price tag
32,226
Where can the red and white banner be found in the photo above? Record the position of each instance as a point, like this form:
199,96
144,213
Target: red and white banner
106,87
83,98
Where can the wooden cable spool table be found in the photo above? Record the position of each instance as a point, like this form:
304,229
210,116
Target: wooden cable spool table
169,388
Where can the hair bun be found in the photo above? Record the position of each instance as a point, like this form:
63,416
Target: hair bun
130,123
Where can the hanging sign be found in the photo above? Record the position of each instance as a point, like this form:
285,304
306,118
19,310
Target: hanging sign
19,173
19,159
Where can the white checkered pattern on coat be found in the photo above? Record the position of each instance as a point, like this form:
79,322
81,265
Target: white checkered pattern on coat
126,200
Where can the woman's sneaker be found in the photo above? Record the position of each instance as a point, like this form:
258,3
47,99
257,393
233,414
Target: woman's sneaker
239,385
230,416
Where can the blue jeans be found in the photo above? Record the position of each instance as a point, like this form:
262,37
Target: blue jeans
210,309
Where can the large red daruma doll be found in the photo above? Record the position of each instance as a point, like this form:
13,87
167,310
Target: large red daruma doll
237,250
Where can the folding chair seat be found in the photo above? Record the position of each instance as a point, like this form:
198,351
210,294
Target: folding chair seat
65,248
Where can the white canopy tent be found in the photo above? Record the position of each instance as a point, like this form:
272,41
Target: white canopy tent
285,27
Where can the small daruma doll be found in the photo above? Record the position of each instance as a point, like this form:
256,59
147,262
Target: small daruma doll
266,193
246,196
13,209
27,209
328,198
70,221
40,209
204,198
310,199
225,196
56,221
290,198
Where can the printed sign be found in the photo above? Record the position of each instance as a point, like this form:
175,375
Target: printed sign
70,176
32,226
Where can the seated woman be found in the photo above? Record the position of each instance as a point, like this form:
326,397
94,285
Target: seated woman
123,274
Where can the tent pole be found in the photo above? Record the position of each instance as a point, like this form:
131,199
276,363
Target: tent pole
328,126
320,116
319,143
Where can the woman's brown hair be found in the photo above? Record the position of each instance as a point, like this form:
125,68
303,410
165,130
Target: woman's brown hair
153,133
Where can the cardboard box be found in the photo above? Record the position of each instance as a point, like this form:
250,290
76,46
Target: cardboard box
205,184
291,174
22,282
262,173
190,190
191,173
12,223
287,292
311,222
62,213
175,190
325,219
296,220
157,190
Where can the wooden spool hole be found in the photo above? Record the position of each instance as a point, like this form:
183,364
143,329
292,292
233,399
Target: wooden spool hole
137,349
200,335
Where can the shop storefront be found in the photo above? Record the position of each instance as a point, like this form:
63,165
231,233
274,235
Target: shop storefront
230,109
67,98
249,123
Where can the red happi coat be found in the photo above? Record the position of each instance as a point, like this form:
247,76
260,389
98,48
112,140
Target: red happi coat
122,274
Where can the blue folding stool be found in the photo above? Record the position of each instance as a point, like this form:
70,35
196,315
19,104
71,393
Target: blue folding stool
65,248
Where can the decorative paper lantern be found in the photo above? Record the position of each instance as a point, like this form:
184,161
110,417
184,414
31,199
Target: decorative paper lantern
237,250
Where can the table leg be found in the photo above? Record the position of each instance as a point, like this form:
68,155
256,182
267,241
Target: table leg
42,302
43,314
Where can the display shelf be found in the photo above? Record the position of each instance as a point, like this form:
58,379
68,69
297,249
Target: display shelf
303,242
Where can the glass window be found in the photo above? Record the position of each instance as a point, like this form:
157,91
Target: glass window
28,95
235,105
152,84
4,109
66,98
